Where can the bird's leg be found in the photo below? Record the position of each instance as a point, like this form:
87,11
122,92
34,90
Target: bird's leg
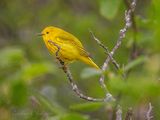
58,62
63,66
58,49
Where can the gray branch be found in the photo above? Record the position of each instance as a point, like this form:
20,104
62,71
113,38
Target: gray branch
106,50
119,113
129,114
149,112
122,35
73,85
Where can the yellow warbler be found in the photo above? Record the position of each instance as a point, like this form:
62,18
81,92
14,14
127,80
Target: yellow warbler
71,49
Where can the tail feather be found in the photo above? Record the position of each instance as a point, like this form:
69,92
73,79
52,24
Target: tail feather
88,61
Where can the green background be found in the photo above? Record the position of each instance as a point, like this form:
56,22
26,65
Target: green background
33,87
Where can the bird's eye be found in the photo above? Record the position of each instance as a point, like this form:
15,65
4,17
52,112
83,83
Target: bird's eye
47,32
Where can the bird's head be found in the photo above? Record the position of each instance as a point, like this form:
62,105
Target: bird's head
47,32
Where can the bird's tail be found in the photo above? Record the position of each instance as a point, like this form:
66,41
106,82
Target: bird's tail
88,61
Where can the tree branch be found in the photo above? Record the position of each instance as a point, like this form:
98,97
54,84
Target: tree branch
119,113
122,34
73,85
149,112
135,51
106,50
129,114
134,26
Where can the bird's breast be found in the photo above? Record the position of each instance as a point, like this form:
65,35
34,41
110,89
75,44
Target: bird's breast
67,52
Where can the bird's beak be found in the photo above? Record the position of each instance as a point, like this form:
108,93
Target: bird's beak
40,34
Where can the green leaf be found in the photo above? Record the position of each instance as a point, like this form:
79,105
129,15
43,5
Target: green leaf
90,72
52,107
134,91
109,8
134,63
11,56
86,107
19,93
37,69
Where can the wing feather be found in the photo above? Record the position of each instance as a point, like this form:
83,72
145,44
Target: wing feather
70,39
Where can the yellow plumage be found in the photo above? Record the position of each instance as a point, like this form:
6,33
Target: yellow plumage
71,48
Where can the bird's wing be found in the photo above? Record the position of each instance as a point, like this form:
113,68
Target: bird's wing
65,36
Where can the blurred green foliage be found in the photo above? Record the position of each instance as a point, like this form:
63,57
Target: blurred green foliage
109,9
32,87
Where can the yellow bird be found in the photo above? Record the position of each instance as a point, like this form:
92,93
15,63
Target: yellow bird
71,49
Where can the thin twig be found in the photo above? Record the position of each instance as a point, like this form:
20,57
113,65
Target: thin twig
135,50
106,50
73,85
122,34
117,66
149,112
134,26
129,114
119,113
